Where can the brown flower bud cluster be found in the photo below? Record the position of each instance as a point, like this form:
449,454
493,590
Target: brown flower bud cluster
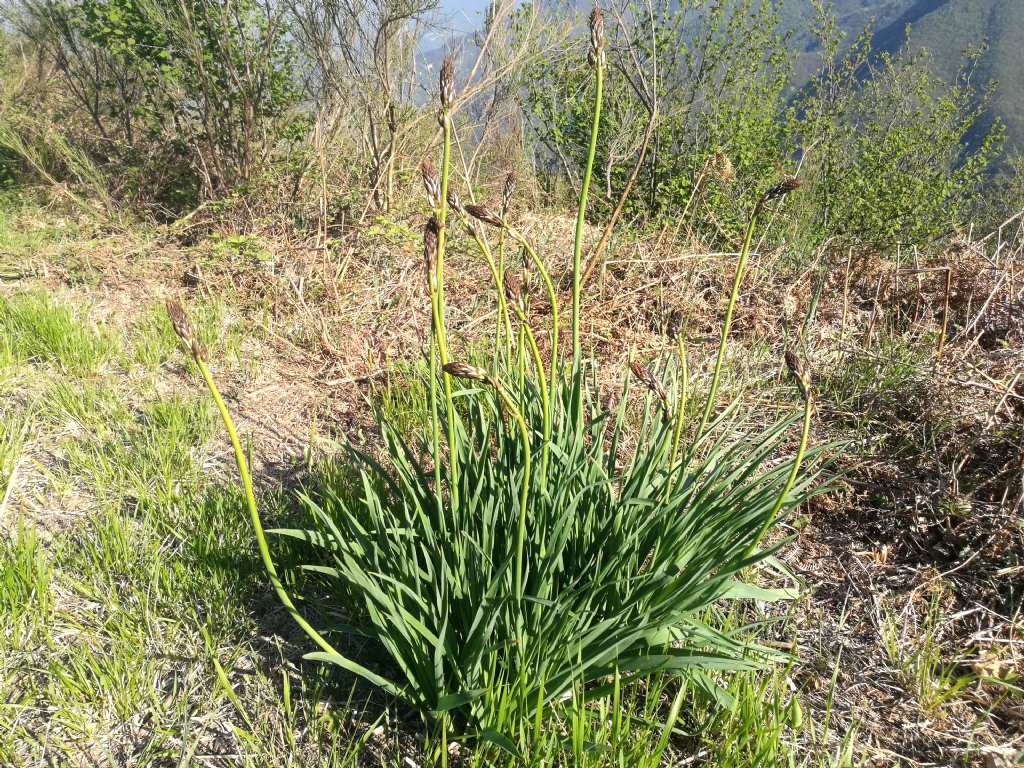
454,203
431,183
799,373
183,329
466,371
596,54
645,377
484,214
431,233
447,83
783,188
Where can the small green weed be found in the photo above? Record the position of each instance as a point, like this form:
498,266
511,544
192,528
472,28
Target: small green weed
916,651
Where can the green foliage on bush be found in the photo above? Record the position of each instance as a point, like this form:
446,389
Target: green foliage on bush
188,99
886,143
890,152
715,72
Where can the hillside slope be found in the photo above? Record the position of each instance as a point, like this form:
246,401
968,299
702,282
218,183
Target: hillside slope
946,28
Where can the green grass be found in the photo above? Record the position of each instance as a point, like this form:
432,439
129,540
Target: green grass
39,330
915,649
24,578
15,424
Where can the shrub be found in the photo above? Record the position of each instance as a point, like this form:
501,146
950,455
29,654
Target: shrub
184,100
716,75
893,153
509,557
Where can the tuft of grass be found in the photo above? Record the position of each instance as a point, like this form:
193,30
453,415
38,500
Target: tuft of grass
152,340
41,331
15,425
143,458
25,574
915,650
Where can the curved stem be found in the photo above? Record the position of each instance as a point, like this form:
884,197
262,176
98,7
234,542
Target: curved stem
250,500
549,286
499,285
544,400
521,358
503,303
791,480
436,431
581,211
681,401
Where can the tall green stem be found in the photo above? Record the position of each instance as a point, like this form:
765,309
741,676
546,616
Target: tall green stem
549,286
499,285
681,400
436,427
439,329
544,400
791,480
577,249
741,266
502,303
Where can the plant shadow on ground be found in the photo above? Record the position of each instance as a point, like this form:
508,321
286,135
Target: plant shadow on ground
327,702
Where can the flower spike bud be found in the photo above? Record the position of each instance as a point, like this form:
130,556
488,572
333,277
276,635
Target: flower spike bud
466,371
783,188
798,372
596,55
430,237
645,377
507,191
453,201
447,83
515,291
183,329
484,214
431,183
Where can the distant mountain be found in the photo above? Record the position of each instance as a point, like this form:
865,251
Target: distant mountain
946,28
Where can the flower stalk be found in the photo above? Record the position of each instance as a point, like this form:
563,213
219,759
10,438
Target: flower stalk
597,60
775,192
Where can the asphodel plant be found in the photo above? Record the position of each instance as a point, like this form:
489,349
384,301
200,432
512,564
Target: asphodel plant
509,558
